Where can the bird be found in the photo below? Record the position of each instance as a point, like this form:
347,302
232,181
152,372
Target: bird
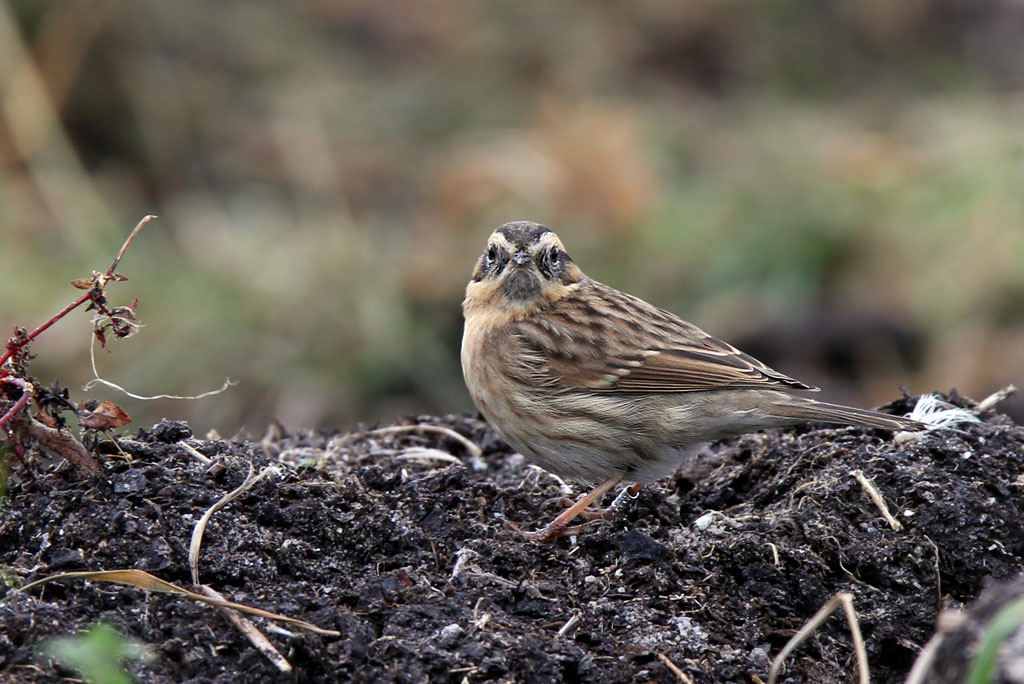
599,387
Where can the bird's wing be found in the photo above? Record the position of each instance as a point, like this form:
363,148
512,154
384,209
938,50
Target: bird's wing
607,341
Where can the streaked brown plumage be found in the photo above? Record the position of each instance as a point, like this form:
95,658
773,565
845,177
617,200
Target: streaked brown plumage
598,386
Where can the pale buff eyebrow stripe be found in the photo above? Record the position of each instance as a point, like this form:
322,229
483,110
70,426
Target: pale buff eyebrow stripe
547,240
499,238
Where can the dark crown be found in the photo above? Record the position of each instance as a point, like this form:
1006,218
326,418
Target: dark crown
522,233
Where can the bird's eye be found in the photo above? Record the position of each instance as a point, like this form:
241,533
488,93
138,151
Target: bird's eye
553,256
492,254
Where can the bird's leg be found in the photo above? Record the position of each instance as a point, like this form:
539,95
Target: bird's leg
626,495
560,525
591,512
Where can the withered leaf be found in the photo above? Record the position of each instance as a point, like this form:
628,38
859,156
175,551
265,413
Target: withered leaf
105,416
83,283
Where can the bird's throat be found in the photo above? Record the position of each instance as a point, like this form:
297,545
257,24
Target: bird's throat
521,285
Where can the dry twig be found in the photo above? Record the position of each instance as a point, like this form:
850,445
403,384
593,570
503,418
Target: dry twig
200,528
245,626
569,624
991,400
674,669
254,635
194,453
474,451
876,497
845,601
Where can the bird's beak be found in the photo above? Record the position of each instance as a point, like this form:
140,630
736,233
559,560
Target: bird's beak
521,257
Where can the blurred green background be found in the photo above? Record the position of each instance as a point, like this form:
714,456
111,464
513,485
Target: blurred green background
837,187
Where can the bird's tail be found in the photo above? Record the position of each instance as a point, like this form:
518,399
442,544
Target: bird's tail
811,410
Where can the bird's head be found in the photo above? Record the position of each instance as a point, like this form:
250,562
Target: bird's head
524,266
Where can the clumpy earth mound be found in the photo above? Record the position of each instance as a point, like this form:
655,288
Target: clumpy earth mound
399,540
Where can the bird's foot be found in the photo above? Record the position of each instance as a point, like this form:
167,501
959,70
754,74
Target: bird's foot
546,534
588,513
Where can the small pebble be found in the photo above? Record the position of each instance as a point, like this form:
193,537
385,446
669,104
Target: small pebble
130,481
704,521
449,634
759,660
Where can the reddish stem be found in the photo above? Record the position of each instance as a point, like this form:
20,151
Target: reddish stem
14,346
26,393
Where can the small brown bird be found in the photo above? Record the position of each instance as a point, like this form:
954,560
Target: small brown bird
598,386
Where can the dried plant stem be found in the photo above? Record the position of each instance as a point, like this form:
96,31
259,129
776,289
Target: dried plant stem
473,449
569,624
845,601
54,441
144,580
128,241
876,497
674,669
923,663
245,626
259,640
991,400
200,528
194,453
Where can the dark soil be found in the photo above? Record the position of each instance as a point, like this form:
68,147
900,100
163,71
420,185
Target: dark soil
407,556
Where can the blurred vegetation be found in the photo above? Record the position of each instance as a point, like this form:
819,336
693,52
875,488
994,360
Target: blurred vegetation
96,654
837,187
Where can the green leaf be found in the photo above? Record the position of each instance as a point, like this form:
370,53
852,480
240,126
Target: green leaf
96,654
